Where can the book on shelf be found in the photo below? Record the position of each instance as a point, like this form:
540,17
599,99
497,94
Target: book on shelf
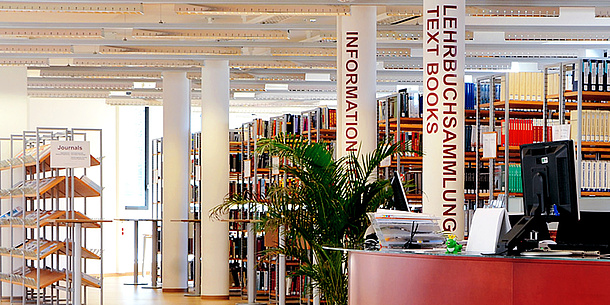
527,131
594,75
595,125
470,96
405,104
595,176
525,86
515,184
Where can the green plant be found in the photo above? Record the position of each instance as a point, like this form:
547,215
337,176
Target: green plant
324,206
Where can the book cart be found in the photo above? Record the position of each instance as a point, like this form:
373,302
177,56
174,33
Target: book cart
48,258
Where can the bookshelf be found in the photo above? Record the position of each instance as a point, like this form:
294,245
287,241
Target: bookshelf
557,107
43,254
583,86
399,119
252,173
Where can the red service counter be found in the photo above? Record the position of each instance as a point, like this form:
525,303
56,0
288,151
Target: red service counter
386,278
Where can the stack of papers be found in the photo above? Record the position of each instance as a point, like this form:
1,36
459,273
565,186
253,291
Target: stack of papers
395,229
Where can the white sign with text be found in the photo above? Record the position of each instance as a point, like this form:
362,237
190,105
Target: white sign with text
70,154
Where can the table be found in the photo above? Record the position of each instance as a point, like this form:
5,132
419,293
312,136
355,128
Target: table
76,253
153,271
409,278
197,254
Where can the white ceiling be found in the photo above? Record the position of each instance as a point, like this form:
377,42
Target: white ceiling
94,49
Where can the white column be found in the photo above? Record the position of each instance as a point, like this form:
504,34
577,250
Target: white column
443,160
215,177
357,81
13,120
176,146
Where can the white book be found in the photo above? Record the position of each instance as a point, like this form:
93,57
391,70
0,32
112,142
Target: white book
598,126
606,126
607,171
600,176
593,176
583,176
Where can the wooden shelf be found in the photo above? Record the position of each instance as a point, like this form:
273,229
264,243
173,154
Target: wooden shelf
551,105
52,246
605,145
85,253
46,218
586,95
47,277
54,187
88,280
485,195
403,127
595,194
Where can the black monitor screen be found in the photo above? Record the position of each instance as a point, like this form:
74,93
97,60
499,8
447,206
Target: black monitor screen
400,198
549,179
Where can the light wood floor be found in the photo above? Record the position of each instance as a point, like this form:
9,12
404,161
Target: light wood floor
116,293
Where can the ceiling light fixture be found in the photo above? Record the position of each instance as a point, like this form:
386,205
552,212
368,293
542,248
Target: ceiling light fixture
137,63
210,34
35,49
304,51
101,8
318,10
50,33
171,50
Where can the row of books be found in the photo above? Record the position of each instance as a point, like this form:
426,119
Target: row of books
595,176
235,162
405,104
470,96
412,142
238,246
470,175
484,93
327,119
553,82
527,131
470,134
515,182
526,86
595,125
595,75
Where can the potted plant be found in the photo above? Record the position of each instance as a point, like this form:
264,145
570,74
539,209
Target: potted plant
323,207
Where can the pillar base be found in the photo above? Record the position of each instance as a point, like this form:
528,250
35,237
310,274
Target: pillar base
214,297
173,290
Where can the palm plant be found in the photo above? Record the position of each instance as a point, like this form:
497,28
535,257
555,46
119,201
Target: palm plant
324,207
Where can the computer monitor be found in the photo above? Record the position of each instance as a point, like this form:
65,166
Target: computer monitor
549,179
549,194
400,198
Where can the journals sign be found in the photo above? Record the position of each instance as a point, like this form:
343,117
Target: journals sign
70,154
444,113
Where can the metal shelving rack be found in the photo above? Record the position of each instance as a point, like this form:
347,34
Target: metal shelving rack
589,99
40,199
